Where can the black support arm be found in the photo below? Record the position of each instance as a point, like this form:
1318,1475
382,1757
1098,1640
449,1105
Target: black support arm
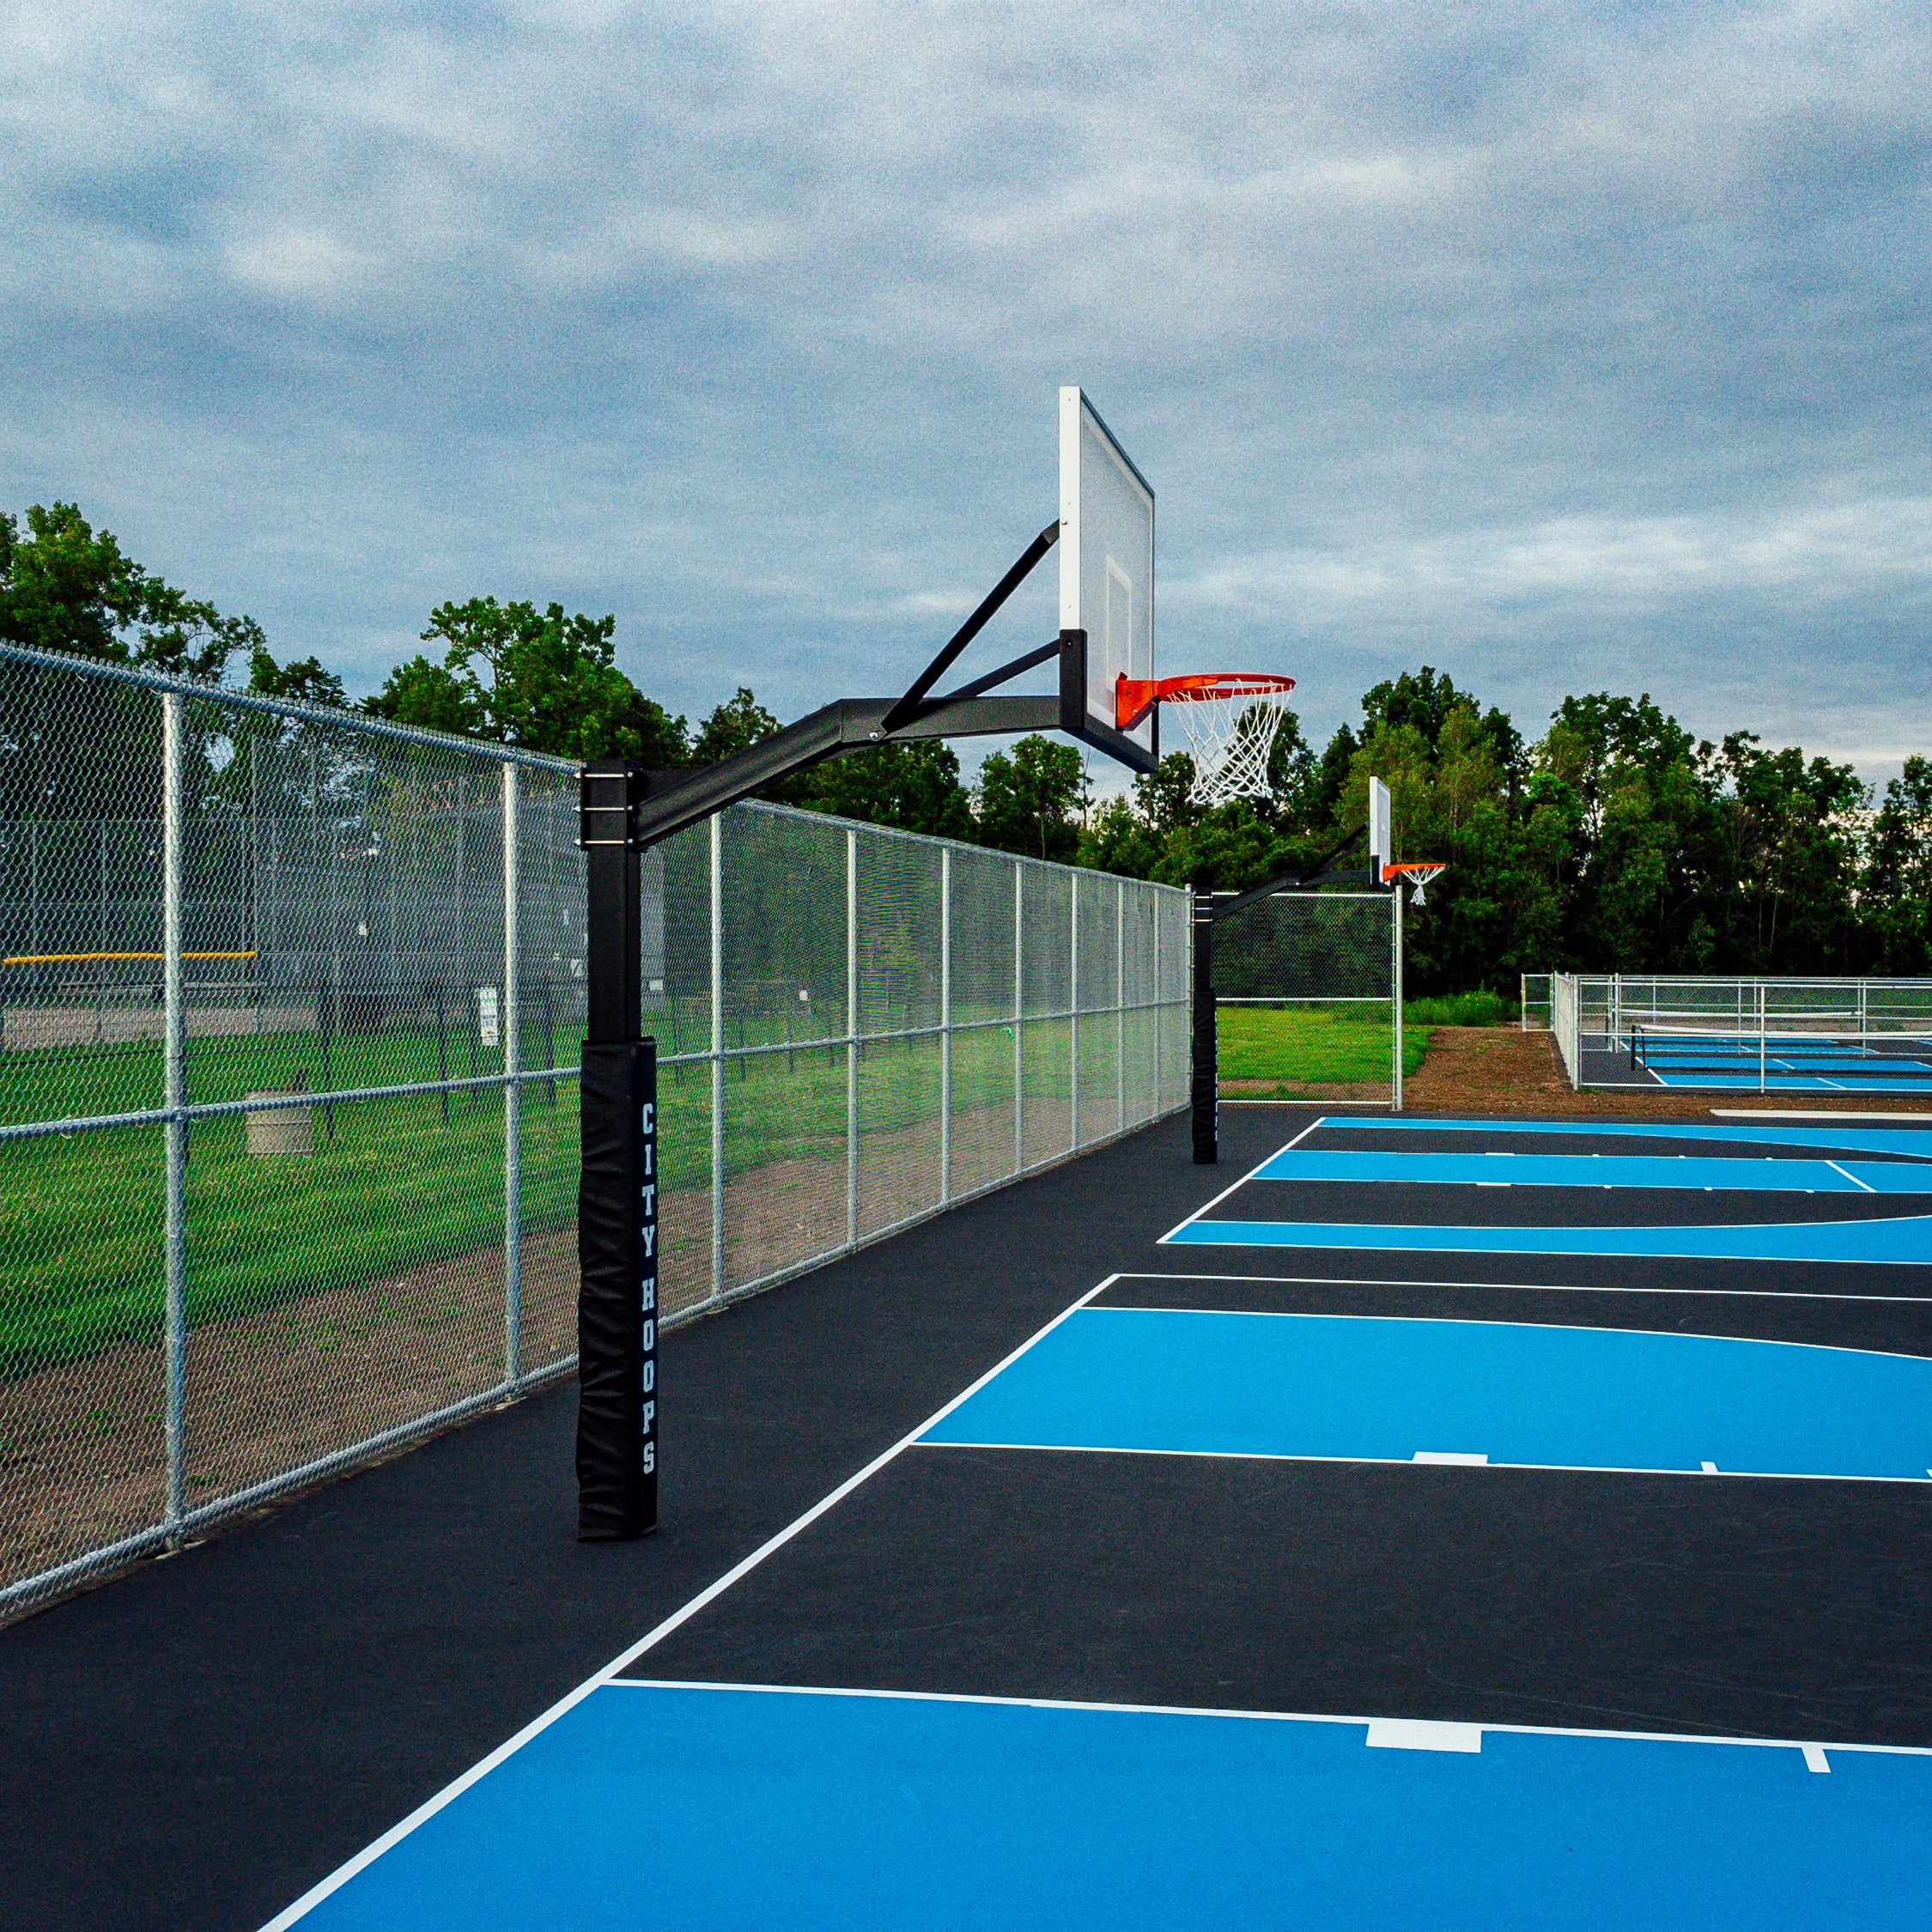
901,712
1317,874
675,800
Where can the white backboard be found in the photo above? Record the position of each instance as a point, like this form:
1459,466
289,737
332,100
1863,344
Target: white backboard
1380,845
1106,557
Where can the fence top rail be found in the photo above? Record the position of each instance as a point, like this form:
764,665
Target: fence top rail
143,675
107,670
1714,980
765,808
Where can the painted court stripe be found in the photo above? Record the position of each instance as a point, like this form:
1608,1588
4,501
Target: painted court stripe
1255,1717
1904,1241
1765,1174
1425,1459
1357,1387
1237,1186
424,1813
1527,1287
833,1807
1913,1142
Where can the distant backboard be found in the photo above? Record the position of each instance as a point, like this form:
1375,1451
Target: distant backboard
1381,846
1106,559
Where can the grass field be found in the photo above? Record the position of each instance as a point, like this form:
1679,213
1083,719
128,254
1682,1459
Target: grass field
1347,1045
390,1183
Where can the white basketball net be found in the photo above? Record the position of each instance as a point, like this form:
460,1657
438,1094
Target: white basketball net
1229,738
1419,877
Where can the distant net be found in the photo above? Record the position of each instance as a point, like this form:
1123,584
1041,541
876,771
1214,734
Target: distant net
1829,1056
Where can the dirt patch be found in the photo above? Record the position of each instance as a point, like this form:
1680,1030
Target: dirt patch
1501,1070
1315,1091
82,1452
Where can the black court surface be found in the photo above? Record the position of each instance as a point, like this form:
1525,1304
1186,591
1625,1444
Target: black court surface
1411,1522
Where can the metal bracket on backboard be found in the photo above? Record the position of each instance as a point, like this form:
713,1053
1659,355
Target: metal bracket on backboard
1076,721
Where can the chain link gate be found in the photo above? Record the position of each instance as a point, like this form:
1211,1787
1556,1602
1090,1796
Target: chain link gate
1301,999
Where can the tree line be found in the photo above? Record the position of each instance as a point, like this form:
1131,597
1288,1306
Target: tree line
1616,841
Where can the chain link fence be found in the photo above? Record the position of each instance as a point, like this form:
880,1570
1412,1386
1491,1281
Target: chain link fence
1726,1031
1533,1008
1308,998
290,1010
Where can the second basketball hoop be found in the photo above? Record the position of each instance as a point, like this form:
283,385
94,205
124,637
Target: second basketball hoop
1232,719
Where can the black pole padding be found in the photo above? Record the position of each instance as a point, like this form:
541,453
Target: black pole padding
617,1294
1206,1106
617,1183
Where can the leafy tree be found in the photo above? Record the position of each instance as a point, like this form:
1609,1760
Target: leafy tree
916,787
1794,843
1896,887
300,677
1030,798
86,749
431,696
537,679
1425,701
1118,839
63,587
1322,799
736,724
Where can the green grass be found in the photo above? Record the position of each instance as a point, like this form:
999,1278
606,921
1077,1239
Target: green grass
1312,1046
1345,1045
395,1184
1479,1008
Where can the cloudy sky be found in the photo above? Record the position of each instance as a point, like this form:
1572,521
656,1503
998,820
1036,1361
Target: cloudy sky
1563,347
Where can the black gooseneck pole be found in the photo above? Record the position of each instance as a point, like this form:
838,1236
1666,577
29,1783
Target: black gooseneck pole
618,1192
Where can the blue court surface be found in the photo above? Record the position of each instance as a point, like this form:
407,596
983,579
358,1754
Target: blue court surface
1319,1591
1735,1062
1794,1161
1358,1387
681,1805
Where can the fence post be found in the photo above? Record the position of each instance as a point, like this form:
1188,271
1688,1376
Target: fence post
173,1032
946,1023
1073,1008
1160,1015
513,1092
1396,1003
1120,1005
717,836
851,1037
1206,1086
1019,1015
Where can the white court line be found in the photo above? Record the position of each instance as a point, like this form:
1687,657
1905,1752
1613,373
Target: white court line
1818,1114
1534,1287
1853,1178
1319,1121
1237,1716
1487,1321
1596,1253
424,1812
1417,1462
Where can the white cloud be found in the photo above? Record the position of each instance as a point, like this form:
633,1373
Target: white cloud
1554,343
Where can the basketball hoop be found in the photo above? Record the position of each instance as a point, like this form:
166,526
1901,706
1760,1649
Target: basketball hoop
1230,718
1419,872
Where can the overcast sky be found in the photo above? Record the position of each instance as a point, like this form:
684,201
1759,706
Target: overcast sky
1563,347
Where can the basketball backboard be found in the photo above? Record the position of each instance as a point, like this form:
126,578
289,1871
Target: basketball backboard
1106,563
1381,846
